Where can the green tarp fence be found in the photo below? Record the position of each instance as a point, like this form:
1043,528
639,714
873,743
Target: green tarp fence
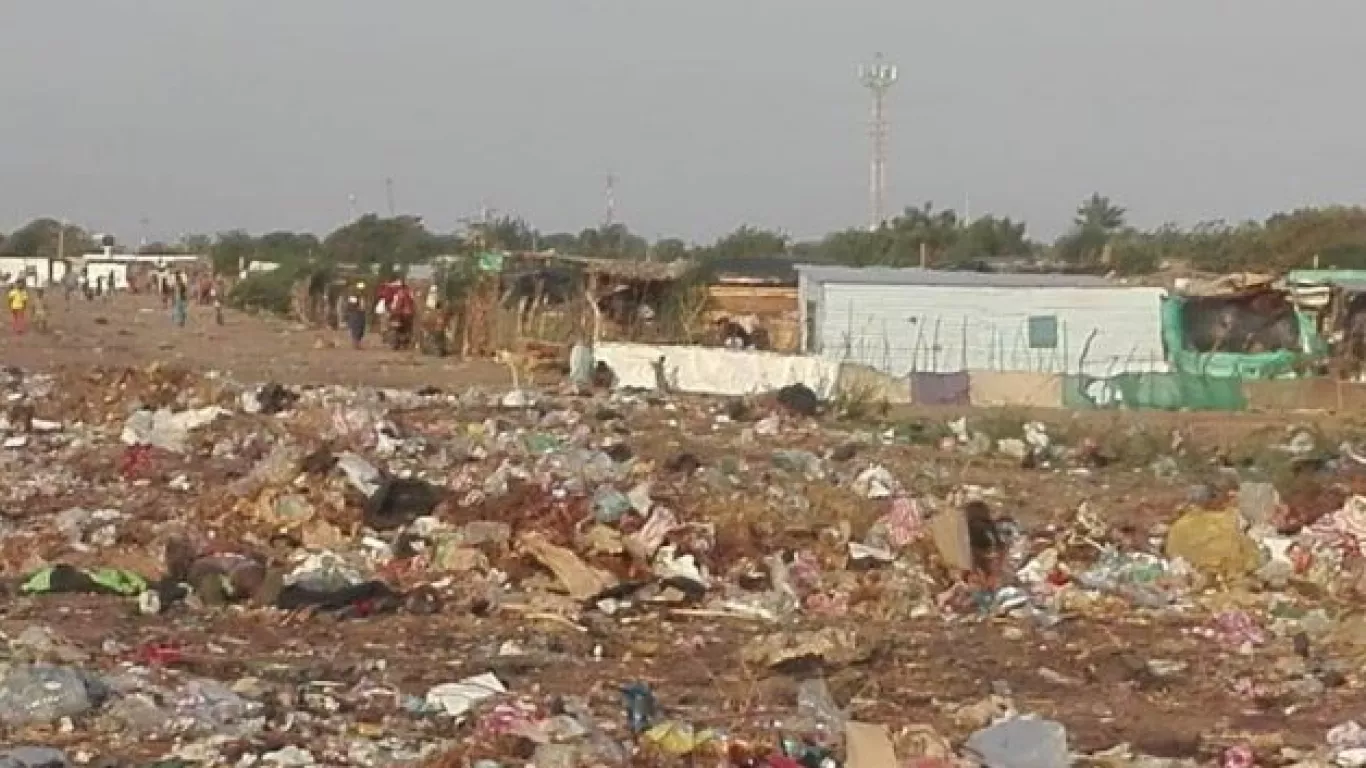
1154,391
1235,365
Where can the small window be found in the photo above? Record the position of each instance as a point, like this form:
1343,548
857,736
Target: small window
1043,332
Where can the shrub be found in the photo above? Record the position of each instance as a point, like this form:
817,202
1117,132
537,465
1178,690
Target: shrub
265,292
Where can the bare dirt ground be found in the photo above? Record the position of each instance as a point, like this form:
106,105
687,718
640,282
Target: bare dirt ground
1089,672
137,330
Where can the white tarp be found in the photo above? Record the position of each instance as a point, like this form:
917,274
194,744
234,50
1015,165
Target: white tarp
715,371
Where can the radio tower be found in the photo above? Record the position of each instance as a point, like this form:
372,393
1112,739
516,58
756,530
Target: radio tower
878,78
610,216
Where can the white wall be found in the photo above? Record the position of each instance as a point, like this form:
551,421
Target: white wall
38,272
109,270
903,328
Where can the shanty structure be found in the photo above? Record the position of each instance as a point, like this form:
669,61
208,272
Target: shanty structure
1242,325
904,321
602,298
758,292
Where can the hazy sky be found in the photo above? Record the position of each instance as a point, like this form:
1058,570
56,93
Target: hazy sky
266,114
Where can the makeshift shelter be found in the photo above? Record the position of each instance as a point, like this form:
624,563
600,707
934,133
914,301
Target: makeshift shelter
1333,304
601,298
759,293
1238,326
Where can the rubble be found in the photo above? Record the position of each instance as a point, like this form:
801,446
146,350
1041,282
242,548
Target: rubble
219,572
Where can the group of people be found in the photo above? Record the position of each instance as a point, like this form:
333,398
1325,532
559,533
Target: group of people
176,293
395,305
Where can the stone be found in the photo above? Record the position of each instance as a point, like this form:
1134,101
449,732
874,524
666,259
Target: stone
37,693
1021,743
1257,502
33,757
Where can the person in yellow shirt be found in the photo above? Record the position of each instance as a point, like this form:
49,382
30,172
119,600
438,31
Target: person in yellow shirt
17,300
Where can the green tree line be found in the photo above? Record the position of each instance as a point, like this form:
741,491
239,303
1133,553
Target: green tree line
1099,240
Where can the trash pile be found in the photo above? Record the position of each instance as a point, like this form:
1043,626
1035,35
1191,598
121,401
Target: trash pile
205,572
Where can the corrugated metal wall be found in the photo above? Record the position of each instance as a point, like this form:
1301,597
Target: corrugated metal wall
904,328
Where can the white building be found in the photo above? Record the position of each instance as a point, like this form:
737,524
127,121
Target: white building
36,272
907,320
114,267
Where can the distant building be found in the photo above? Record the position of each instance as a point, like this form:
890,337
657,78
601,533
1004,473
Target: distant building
36,272
115,267
921,320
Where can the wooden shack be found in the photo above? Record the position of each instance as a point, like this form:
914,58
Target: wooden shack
758,291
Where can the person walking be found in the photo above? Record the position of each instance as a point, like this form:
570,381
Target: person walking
402,315
180,301
216,293
17,300
356,315
38,308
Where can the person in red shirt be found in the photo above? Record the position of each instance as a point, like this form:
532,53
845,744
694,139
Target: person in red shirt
402,313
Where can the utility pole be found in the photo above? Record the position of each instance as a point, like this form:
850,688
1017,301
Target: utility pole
878,78
61,250
389,194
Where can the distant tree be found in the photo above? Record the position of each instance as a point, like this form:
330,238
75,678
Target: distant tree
371,240
560,242
990,237
1098,213
288,248
1096,221
231,251
748,242
197,244
670,249
39,239
510,234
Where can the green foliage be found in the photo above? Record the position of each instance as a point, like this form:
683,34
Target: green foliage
372,240
746,243
670,249
39,239
1097,213
1100,240
231,252
265,292
946,240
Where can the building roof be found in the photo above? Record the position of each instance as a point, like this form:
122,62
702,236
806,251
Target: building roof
620,269
821,273
140,258
754,270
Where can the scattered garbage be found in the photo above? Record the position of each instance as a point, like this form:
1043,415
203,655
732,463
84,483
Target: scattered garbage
799,399
37,693
457,699
640,576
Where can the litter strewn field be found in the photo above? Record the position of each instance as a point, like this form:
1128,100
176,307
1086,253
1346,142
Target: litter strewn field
210,565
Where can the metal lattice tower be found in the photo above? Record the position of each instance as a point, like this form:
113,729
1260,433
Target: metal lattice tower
610,216
878,78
